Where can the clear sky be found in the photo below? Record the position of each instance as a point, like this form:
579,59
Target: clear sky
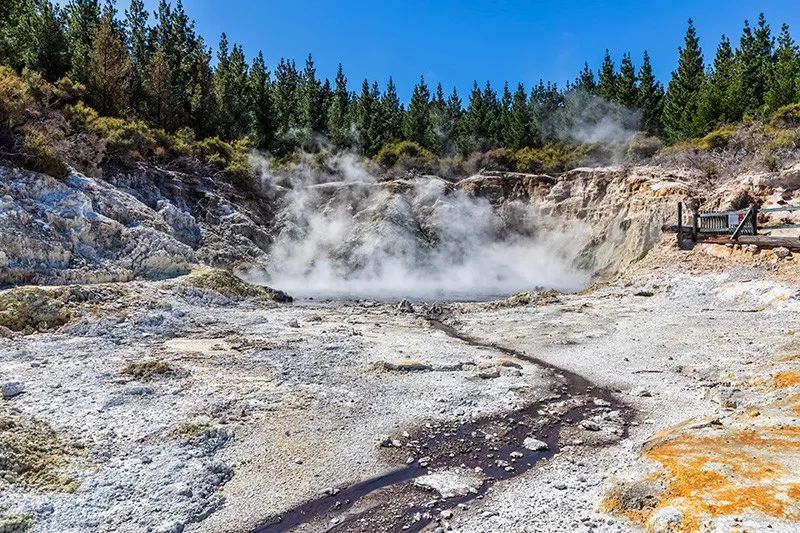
457,41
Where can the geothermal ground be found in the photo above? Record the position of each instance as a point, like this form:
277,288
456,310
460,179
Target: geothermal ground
667,399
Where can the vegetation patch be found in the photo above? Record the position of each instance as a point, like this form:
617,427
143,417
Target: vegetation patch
15,524
29,309
144,370
529,298
33,455
229,285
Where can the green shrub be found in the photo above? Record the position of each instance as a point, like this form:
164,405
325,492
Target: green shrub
126,137
716,139
555,157
14,96
406,154
643,146
496,159
40,155
787,116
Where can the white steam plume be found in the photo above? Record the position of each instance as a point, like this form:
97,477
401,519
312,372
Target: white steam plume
343,234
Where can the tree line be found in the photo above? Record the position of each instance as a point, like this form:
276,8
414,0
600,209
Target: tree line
163,72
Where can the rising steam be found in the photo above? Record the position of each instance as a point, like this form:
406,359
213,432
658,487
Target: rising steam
343,234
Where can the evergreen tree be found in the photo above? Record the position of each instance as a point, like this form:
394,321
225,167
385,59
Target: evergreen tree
392,114
40,40
494,117
682,99
108,70
520,128
203,96
286,99
312,100
718,101
15,17
585,80
649,98
754,67
417,123
159,89
607,80
784,88
83,19
368,119
263,118
136,31
626,90
233,93
504,117
338,112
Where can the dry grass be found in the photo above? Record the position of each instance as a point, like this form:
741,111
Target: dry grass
145,370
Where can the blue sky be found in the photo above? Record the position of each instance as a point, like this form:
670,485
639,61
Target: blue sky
456,41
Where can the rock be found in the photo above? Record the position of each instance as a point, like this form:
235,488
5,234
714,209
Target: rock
535,445
293,323
488,371
640,391
751,248
560,486
590,425
782,252
667,520
10,389
446,514
403,365
451,482
405,307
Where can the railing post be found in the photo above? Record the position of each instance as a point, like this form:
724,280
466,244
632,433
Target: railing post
755,219
695,225
680,225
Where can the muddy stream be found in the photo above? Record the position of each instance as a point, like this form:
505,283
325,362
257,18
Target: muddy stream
494,444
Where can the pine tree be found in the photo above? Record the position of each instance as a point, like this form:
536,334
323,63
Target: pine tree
626,90
504,119
13,15
754,67
263,118
136,31
682,99
286,98
718,102
417,123
232,93
312,100
585,80
338,112
649,98
203,96
392,114
494,117
438,117
41,40
607,80
368,119
83,19
784,87
108,70
520,128
159,89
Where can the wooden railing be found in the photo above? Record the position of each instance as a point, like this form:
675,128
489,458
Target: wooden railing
740,226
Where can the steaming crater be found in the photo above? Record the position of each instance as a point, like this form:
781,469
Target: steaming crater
420,238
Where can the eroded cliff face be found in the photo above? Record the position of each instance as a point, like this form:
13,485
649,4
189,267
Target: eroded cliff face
148,224
153,223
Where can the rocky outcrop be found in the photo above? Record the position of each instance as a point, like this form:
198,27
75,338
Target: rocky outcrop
149,223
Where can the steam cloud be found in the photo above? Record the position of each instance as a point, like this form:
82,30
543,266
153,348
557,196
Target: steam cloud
343,234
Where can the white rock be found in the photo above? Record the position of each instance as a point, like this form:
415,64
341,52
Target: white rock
451,482
590,425
535,445
640,391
